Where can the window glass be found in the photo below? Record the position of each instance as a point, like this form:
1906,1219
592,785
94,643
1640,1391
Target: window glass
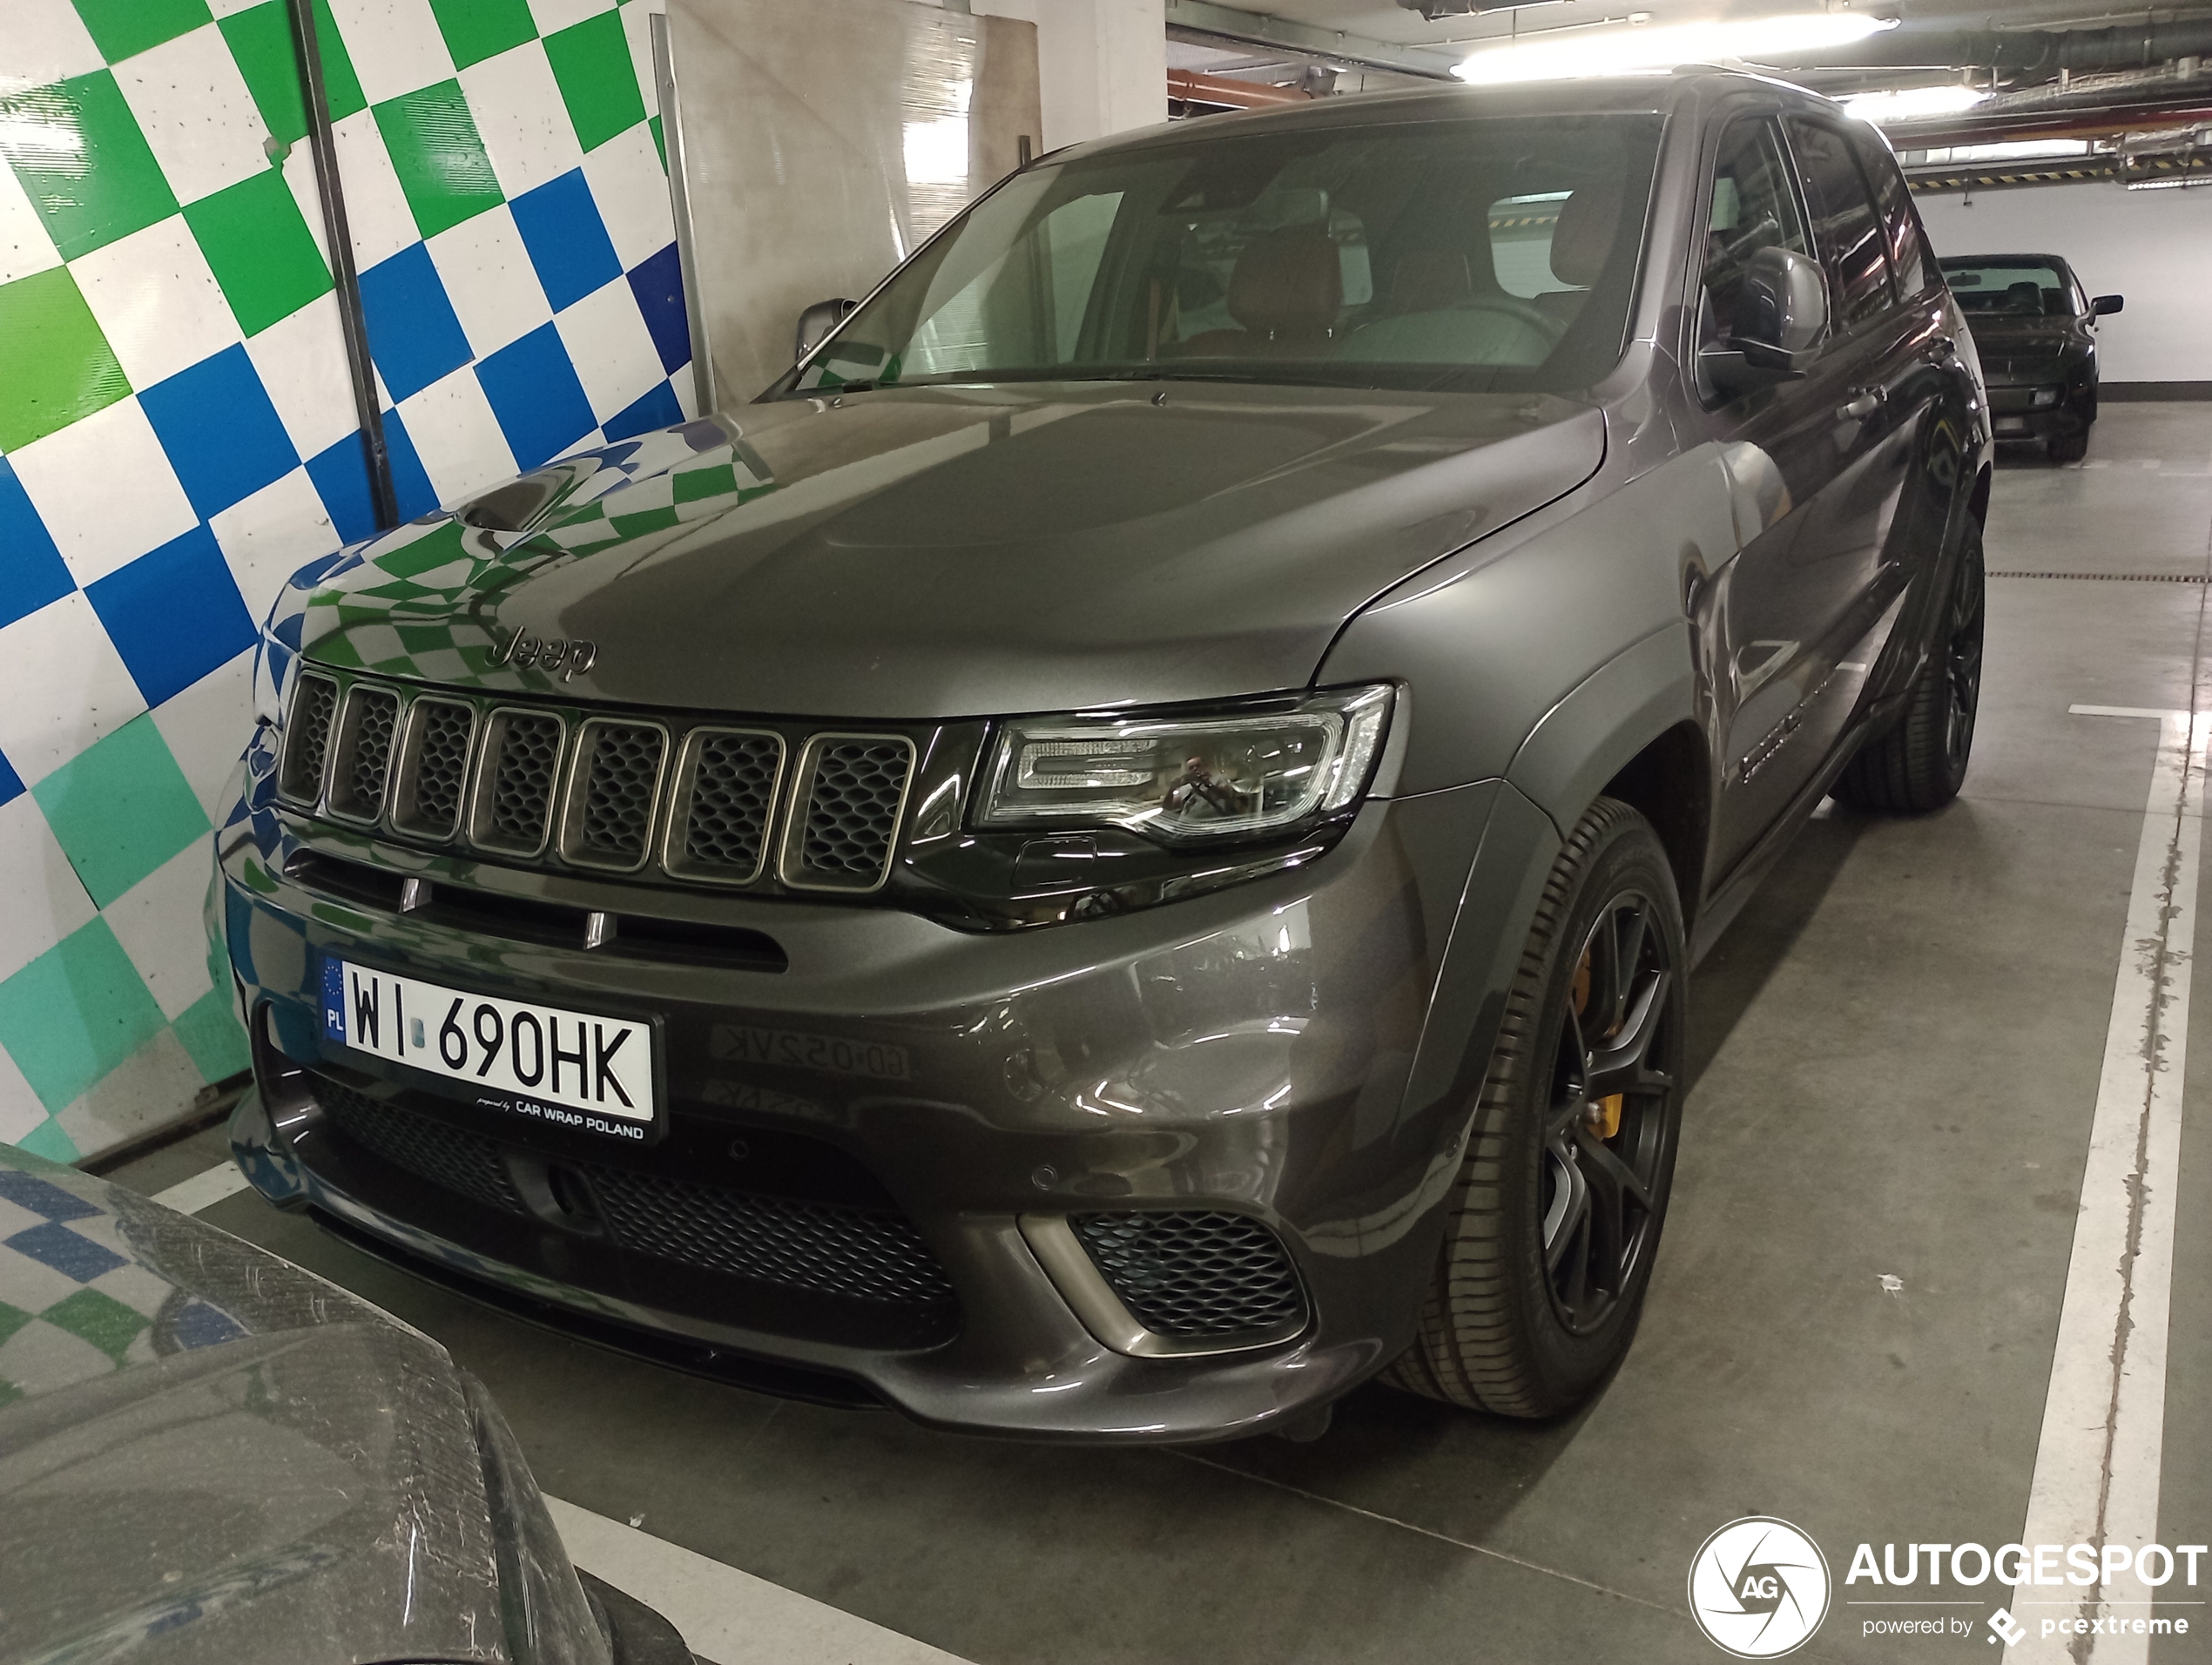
1843,222
1753,207
1495,252
1909,261
2009,283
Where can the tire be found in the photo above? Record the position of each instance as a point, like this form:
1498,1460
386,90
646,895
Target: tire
1920,762
2068,447
1547,1252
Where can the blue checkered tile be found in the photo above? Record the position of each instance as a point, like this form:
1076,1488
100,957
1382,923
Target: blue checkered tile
414,333
220,431
175,615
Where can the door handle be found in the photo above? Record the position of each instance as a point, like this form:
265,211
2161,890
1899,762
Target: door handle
1864,404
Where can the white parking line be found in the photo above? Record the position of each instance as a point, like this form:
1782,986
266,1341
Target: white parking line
2097,1462
203,1190
727,1617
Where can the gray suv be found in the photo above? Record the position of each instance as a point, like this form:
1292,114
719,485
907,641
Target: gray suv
1121,852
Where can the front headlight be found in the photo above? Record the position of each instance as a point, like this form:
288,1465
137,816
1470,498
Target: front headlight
1181,780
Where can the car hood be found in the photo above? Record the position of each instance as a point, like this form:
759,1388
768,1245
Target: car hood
2002,339
207,1454
958,552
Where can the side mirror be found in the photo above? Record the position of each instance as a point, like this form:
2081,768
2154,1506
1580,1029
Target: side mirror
1781,316
816,322
2105,306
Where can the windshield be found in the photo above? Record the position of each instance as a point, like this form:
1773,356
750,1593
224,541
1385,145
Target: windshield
1487,254
2027,286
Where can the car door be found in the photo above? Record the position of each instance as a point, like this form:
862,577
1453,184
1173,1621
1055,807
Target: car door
1783,618
1924,434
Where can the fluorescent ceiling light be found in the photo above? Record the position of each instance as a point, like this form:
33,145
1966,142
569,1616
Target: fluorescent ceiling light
1910,104
2015,150
1567,53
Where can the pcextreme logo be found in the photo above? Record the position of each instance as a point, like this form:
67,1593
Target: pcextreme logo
1758,1587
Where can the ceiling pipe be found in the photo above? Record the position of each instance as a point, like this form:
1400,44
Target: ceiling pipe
1191,87
2026,54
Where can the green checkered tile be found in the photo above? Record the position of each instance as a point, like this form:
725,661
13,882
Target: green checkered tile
123,29
341,87
75,1013
100,1318
260,39
121,809
438,156
259,247
56,366
106,184
591,61
475,29
210,1033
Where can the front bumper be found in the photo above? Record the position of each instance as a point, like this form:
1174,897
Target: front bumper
2013,414
1245,1053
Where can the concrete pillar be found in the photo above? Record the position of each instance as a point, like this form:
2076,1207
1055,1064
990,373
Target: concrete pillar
1101,66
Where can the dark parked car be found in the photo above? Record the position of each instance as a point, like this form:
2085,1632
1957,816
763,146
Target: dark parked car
1121,852
2036,329
207,1454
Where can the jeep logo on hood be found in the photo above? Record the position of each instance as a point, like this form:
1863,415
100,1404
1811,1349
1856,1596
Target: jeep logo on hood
568,660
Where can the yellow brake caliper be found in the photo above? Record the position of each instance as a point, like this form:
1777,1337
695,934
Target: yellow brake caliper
1604,1116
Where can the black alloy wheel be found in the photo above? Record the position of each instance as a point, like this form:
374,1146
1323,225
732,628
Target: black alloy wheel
1553,1225
1919,763
1609,1127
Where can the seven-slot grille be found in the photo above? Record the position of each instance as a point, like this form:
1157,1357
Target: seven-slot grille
615,794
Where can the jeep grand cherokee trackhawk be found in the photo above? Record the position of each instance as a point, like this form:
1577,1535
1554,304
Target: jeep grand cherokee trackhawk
1120,853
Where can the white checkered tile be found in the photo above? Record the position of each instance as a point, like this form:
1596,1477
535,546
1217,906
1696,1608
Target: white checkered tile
609,346
172,962
299,180
631,194
521,117
395,45
67,687
156,301
42,901
47,41
301,362
193,107
270,535
40,1357
489,278
24,247
20,1110
376,212
457,437
637,31
206,727
150,1086
71,478
554,14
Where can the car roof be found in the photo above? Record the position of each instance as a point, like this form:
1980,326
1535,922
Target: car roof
1658,94
1950,261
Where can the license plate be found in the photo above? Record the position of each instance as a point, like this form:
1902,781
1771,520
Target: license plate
564,1068
2012,424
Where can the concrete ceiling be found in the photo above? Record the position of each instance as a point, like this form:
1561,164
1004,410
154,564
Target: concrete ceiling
1383,20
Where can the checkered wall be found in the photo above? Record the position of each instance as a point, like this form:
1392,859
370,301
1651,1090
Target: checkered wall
178,429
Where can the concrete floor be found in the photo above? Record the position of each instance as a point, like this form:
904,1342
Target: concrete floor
1897,1053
